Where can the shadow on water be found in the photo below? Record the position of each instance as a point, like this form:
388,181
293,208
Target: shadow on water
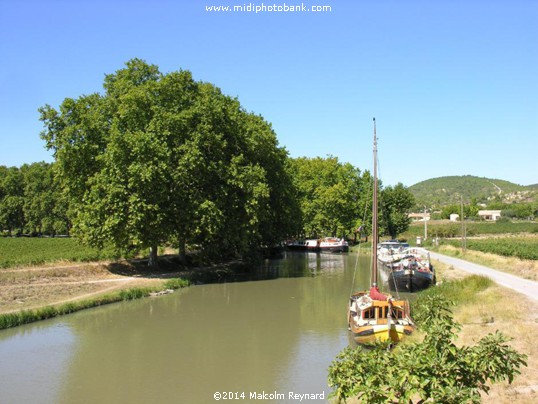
287,264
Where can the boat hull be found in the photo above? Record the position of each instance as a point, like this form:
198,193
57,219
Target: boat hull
334,249
410,280
327,244
370,334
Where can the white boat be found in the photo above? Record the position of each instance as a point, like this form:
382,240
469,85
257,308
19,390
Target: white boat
333,244
326,244
390,251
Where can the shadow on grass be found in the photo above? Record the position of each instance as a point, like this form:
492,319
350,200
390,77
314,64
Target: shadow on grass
193,269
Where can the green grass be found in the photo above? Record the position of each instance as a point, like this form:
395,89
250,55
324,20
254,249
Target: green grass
460,292
28,316
176,283
26,251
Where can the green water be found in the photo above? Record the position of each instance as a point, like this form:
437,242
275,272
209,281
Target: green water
274,337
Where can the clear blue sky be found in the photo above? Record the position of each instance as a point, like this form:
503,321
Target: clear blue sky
453,84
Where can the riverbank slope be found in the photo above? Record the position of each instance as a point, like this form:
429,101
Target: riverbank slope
34,287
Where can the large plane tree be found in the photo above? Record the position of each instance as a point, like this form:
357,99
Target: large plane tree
162,158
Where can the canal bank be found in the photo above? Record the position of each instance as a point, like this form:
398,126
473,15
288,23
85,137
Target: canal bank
31,294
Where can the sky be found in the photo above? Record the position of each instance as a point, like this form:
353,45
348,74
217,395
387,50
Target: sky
453,85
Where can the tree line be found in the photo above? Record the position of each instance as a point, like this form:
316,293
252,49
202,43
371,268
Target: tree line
31,201
163,159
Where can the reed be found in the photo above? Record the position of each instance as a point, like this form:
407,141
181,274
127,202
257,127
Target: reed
135,293
176,283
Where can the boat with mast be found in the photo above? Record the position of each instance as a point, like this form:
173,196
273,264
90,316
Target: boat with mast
372,315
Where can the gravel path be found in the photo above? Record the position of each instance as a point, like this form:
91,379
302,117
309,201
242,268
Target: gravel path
527,287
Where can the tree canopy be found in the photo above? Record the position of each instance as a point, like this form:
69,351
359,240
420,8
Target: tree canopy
395,204
328,193
163,158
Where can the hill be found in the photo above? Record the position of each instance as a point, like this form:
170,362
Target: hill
449,190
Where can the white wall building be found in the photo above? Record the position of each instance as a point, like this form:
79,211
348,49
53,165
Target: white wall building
490,215
454,217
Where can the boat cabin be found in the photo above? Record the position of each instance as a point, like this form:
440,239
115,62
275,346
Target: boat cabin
379,310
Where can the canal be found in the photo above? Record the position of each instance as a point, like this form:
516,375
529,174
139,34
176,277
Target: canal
273,337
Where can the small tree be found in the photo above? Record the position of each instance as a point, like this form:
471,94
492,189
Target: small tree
395,204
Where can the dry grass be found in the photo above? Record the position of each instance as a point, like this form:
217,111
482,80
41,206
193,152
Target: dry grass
35,287
527,269
512,314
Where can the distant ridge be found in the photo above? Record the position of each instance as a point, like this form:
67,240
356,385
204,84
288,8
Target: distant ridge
449,190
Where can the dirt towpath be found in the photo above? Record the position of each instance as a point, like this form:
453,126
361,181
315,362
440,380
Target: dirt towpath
527,287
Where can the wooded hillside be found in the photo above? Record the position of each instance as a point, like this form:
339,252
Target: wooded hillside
449,190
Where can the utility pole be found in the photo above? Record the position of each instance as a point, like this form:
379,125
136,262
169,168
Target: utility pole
425,225
463,247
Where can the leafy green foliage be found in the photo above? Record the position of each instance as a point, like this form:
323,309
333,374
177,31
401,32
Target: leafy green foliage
336,199
395,204
11,199
161,158
31,201
328,193
434,369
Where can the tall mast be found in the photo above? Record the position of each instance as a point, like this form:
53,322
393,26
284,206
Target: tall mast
374,215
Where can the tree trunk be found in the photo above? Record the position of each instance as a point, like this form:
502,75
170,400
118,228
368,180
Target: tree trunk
182,249
152,262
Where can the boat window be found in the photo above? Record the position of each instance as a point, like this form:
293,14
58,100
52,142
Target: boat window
370,313
383,311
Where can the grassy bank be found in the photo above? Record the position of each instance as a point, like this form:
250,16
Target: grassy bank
9,320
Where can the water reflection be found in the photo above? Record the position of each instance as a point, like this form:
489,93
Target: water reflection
301,264
278,335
